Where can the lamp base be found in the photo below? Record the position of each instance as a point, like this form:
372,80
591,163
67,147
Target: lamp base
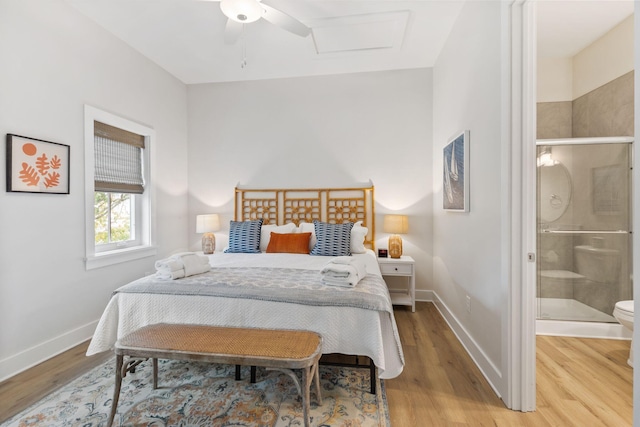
395,246
208,243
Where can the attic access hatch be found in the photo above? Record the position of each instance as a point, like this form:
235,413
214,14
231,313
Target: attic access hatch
359,32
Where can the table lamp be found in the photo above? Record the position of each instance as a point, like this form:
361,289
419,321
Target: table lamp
207,224
395,224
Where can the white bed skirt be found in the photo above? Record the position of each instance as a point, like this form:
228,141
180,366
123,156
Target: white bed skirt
376,339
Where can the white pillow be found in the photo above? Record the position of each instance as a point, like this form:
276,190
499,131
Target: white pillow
307,227
358,234
265,233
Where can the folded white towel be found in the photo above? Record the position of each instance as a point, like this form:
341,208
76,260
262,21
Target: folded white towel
195,264
182,265
169,265
343,271
202,259
337,282
171,275
350,278
174,262
342,260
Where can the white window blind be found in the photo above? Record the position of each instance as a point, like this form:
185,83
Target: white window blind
118,160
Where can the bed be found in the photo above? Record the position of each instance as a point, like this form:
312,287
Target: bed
275,290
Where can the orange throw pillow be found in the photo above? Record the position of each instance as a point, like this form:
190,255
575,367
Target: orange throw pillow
291,243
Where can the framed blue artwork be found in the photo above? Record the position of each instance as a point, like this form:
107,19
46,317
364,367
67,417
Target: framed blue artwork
455,178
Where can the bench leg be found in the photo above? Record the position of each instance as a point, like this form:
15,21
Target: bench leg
116,390
155,373
306,408
238,376
314,373
316,369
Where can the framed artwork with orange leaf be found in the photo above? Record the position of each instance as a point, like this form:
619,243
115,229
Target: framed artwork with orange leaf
37,166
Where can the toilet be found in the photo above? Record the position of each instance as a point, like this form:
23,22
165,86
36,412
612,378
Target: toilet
623,312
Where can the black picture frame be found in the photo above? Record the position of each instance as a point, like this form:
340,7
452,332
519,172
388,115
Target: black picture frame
37,166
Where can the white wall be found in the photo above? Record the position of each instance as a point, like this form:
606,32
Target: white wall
54,61
555,79
608,58
330,131
467,246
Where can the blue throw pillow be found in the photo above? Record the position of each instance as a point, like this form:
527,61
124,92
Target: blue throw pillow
333,239
244,237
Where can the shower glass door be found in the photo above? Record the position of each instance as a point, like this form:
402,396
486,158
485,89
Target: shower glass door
584,241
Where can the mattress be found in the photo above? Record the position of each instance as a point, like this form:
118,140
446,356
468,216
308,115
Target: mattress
346,329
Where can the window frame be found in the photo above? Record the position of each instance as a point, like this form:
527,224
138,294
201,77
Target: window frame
144,203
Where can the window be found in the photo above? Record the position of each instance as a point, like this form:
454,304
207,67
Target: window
118,189
114,216
118,183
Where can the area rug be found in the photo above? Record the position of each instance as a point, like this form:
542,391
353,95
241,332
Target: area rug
194,394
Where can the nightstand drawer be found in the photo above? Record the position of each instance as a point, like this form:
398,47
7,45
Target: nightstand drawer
401,269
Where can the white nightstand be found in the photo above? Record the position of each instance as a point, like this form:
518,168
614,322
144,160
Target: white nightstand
404,267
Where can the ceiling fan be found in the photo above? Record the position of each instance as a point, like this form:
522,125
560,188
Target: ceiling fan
240,12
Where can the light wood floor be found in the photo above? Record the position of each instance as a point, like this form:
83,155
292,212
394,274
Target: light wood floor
580,382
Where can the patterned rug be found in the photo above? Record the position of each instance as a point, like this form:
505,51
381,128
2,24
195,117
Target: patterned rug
194,394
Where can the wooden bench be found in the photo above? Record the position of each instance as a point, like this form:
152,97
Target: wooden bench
271,348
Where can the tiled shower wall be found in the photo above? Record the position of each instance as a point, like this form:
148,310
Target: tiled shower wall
554,120
605,111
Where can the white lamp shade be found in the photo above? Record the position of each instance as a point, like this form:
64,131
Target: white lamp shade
243,11
396,224
207,223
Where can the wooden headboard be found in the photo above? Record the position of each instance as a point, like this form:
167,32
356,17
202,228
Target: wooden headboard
284,205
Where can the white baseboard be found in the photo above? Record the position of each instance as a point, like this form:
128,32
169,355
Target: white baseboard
564,328
37,354
423,295
486,366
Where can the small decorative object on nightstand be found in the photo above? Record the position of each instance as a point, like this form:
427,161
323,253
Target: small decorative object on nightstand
395,224
402,267
207,224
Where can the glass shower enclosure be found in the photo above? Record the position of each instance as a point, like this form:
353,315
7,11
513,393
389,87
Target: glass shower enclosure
584,227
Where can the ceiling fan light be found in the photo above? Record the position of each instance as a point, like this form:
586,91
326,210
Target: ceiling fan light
243,11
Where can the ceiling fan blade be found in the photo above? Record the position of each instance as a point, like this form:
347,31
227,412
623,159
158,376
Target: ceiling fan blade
285,21
232,31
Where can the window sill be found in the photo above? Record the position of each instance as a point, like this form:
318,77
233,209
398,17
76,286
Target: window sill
104,259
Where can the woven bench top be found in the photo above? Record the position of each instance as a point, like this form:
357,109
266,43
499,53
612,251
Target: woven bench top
204,339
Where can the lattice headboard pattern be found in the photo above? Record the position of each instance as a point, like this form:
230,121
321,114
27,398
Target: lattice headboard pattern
332,205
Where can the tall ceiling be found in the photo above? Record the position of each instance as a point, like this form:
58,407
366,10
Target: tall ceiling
187,37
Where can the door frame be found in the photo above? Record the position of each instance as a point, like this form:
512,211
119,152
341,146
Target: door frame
520,314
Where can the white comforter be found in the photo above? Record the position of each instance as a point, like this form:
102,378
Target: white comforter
346,330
